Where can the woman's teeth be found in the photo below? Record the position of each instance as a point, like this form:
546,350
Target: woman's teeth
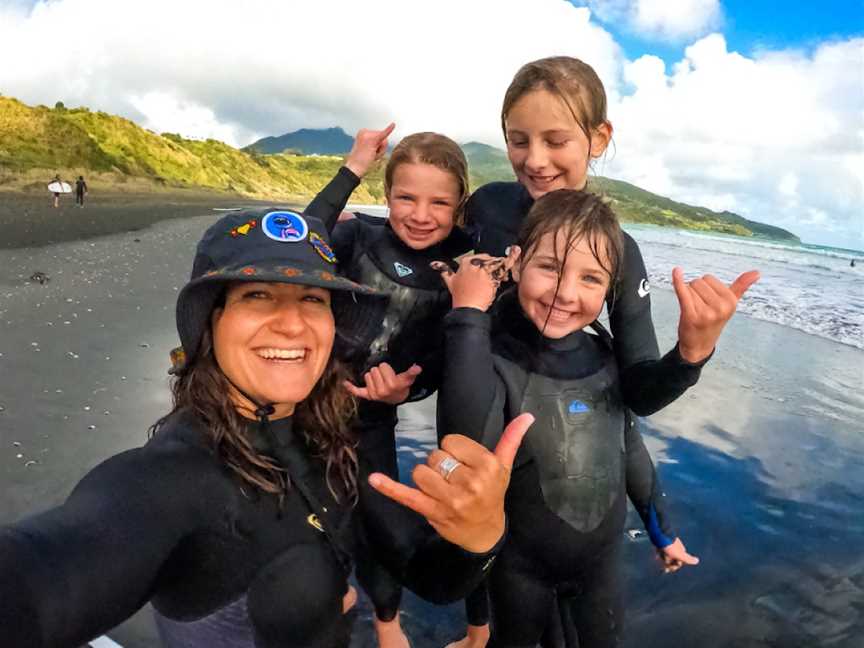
282,354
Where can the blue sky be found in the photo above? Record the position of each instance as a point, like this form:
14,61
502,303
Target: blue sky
753,25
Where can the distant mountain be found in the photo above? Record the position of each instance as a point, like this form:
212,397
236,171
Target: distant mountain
115,154
306,141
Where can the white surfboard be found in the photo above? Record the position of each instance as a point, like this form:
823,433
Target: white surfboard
60,187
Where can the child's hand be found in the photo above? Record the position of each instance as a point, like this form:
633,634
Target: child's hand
675,556
706,305
369,147
476,282
385,385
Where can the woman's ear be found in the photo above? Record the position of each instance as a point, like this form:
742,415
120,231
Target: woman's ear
600,139
512,261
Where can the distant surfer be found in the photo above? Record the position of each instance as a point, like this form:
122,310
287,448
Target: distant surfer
80,191
852,263
59,183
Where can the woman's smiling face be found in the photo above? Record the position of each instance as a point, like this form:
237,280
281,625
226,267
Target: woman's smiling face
547,147
273,341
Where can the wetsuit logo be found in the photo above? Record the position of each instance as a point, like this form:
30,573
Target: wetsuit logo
285,226
577,407
402,270
644,288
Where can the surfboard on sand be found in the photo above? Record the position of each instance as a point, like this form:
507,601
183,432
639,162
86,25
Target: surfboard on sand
60,187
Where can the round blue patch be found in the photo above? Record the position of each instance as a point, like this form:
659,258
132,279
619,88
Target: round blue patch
285,226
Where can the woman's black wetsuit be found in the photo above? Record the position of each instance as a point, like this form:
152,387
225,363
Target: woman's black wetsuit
221,563
405,329
494,215
566,501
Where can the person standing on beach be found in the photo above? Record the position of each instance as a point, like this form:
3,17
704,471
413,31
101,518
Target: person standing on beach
528,352
80,191
238,519
555,124
396,357
56,193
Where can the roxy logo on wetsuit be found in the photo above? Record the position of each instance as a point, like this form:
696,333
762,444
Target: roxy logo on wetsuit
644,288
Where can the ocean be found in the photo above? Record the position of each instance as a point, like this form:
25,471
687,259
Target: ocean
806,287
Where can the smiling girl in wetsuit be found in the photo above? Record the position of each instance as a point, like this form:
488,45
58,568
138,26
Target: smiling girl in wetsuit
566,502
555,124
396,349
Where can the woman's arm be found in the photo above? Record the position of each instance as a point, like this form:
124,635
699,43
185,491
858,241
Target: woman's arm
74,572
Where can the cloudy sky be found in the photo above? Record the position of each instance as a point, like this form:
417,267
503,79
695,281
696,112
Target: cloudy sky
733,104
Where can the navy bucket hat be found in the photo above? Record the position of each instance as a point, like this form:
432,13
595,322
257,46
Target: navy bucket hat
268,244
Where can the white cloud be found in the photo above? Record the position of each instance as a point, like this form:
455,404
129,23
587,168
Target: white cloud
671,20
717,128
777,137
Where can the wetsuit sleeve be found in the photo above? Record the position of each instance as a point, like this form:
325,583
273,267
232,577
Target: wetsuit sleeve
648,383
74,572
644,491
416,555
471,397
331,200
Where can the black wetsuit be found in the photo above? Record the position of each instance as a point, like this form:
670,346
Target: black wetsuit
80,190
404,330
566,501
494,215
221,563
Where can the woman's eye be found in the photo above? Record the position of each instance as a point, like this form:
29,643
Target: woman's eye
593,279
442,202
255,294
404,197
556,143
315,299
518,143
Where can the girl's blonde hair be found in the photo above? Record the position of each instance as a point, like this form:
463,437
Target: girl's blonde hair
439,151
573,81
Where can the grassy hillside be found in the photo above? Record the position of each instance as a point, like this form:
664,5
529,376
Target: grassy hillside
72,141
114,154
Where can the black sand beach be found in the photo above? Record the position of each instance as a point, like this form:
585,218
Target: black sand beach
763,461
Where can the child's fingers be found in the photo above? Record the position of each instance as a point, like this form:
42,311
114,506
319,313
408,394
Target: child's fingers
743,282
682,290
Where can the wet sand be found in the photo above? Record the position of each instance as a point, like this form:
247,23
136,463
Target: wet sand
763,460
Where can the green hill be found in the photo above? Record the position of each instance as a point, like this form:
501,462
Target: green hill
117,155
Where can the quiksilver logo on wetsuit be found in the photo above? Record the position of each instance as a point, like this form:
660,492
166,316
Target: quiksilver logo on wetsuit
402,270
644,288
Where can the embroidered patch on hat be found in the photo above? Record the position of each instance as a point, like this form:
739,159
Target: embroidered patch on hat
285,226
577,407
244,229
321,247
402,270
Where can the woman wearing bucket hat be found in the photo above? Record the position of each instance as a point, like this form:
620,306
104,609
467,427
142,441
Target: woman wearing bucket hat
237,519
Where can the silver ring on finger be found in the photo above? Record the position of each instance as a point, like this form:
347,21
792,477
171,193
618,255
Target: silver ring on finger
447,466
